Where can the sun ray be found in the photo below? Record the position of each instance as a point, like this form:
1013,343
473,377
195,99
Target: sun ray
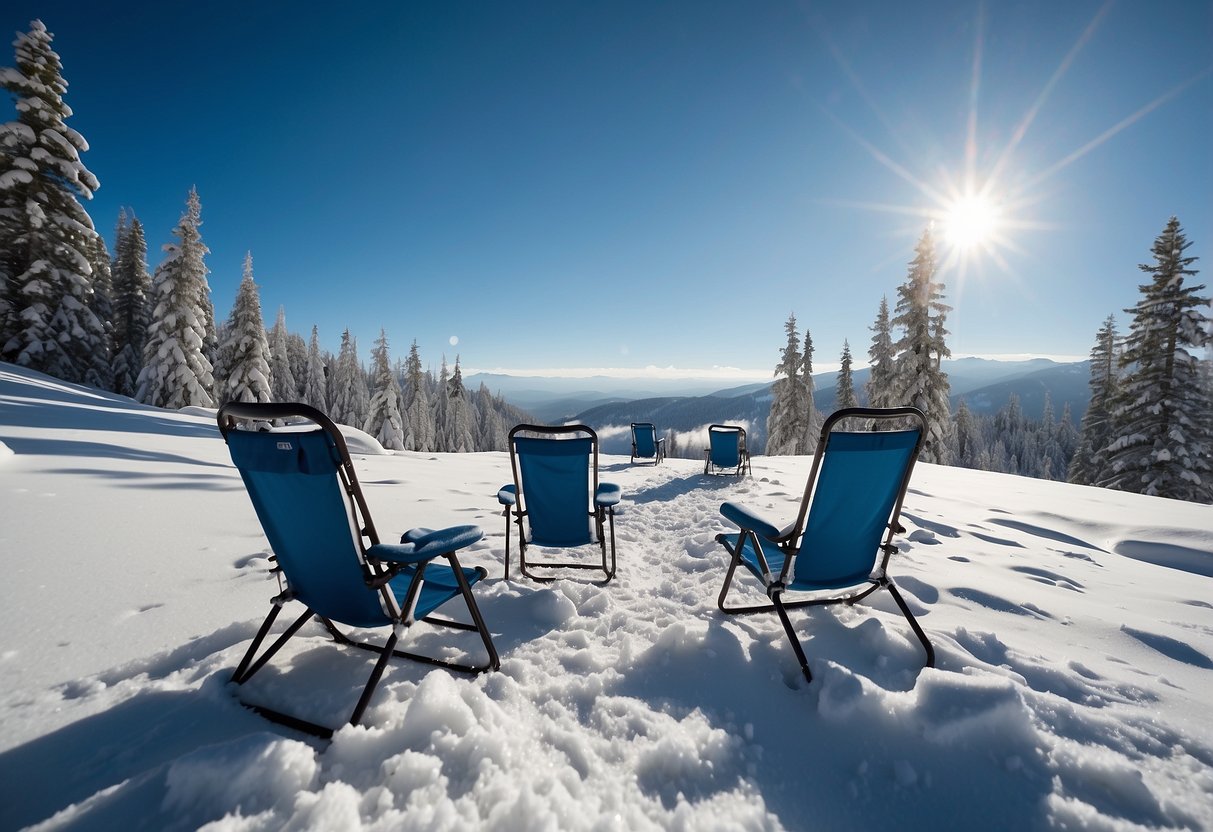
974,96
885,160
1021,129
1129,121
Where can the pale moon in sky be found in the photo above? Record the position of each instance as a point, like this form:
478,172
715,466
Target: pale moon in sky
454,340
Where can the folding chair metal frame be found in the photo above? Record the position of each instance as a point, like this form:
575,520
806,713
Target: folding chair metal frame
603,497
380,565
658,444
789,542
711,466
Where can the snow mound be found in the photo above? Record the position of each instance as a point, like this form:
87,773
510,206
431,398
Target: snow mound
360,442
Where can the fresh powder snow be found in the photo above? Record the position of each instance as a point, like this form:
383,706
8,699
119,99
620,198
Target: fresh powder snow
1073,626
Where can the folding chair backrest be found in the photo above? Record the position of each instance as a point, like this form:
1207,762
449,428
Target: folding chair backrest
860,483
725,445
644,437
292,478
555,478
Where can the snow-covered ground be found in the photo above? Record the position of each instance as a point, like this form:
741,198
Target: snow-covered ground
1074,630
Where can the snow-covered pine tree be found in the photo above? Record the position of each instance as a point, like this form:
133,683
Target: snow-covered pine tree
1066,440
460,435
47,239
383,420
919,379
245,348
296,351
176,373
493,433
282,379
1090,458
418,415
1161,443
347,385
131,285
315,388
844,395
810,426
967,438
881,361
101,372
442,407
785,426
210,335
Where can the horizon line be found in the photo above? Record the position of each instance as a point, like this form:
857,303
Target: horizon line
726,373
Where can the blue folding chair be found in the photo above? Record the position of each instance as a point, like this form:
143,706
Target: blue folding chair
327,552
646,444
853,496
726,450
556,500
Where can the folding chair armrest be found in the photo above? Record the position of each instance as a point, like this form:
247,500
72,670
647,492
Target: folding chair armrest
426,546
746,519
608,494
507,495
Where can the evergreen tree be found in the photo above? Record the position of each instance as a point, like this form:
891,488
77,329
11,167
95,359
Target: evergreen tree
442,407
281,378
418,418
101,372
919,380
296,351
493,434
47,239
176,373
315,387
362,389
844,396
1065,442
1086,468
131,286
245,348
210,332
881,361
459,430
1161,443
785,425
347,386
810,423
384,421
968,443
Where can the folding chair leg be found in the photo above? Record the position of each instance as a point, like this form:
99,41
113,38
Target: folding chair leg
373,681
905,609
241,677
506,576
728,580
474,610
787,626
611,522
242,668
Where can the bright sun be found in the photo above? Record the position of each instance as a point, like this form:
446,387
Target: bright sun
970,221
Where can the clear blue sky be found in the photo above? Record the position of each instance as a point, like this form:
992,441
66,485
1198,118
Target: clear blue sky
571,184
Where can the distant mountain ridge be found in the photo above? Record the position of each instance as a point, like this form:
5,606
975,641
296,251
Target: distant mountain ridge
985,385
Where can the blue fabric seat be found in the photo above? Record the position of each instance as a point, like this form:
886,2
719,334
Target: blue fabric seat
327,552
556,500
726,451
646,444
833,550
